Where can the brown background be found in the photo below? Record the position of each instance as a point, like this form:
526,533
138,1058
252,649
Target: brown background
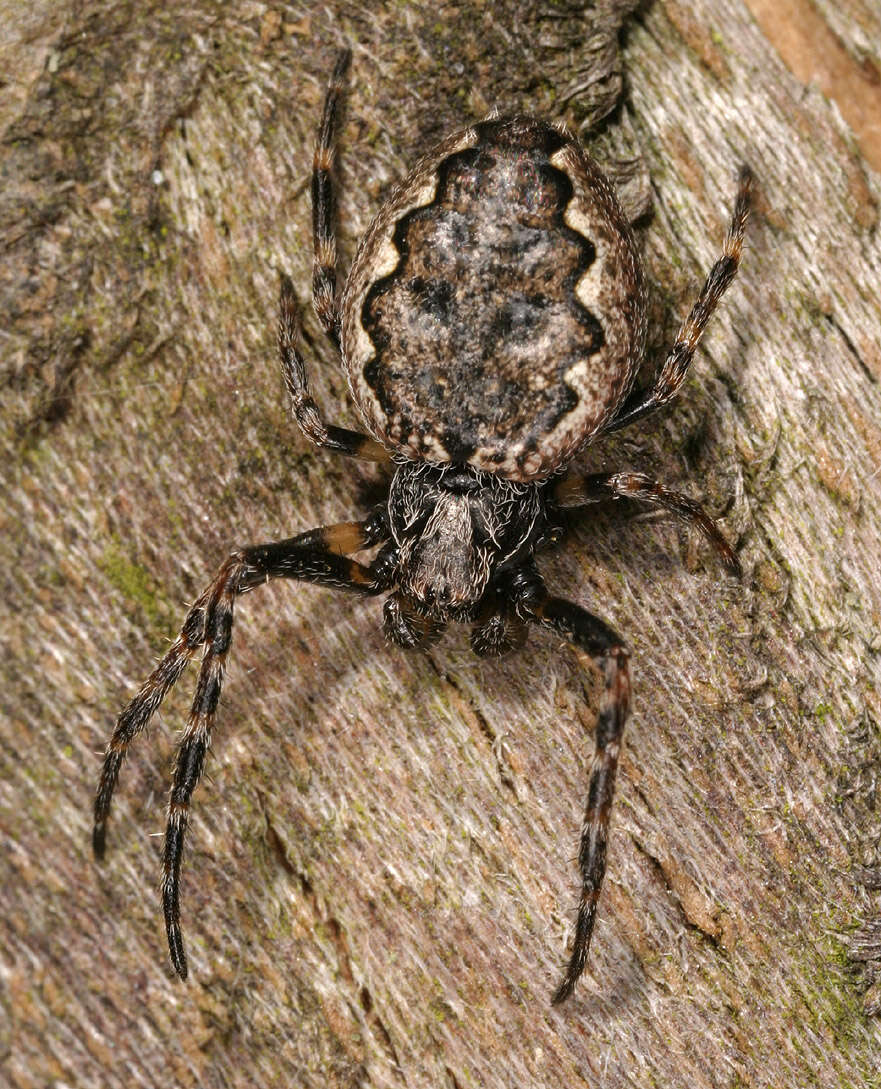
380,881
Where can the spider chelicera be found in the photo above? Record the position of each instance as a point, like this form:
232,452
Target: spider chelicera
491,326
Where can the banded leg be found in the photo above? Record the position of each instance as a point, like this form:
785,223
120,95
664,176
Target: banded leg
671,375
592,635
324,239
317,557
306,413
141,709
578,491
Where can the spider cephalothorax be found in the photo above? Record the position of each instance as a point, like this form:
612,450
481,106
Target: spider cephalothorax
491,326
456,529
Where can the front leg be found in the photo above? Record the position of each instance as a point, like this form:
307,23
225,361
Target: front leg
317,557
324,294
672,374
339,439
593,636
323,235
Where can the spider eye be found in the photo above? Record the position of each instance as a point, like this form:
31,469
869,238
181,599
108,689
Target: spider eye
460,482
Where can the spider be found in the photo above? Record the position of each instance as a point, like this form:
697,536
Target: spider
491,326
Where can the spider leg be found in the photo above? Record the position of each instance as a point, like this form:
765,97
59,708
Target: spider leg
305,410
671,375
578,491
324,299
317,557
589,634
324,239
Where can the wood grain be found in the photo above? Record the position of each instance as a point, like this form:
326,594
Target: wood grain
380,882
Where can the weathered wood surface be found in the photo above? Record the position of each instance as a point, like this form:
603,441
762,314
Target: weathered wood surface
380,880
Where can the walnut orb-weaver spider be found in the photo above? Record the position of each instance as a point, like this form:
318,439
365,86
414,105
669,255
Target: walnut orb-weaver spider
491,326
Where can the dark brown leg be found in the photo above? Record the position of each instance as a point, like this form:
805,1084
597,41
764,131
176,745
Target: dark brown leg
315,557
578,491
324,240
591,635
339,439
675,367
305,410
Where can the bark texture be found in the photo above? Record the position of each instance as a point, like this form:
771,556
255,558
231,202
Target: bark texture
380,882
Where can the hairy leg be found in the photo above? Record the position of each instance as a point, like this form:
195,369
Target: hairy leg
323,237
317,557
579,491
324,300
595,638
671,375
305,410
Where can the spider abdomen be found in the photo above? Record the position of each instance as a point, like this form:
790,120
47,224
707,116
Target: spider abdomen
495,312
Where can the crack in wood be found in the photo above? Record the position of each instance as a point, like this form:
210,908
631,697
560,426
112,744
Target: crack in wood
852,348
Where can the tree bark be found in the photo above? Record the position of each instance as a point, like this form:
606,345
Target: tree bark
380,880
